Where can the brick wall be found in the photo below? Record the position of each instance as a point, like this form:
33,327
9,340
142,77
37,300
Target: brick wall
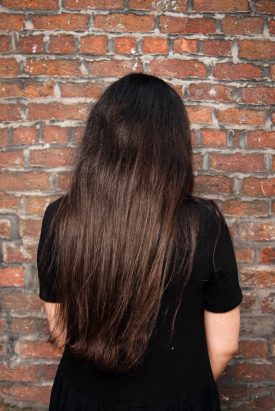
56,59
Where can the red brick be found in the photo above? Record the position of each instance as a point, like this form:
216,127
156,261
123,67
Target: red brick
36,349
19,373
260,139
4,137
23,325
214,184
177,68
11,276
217,47
256,49
51,157
60,68
252,349
244,255
229,71
112,68
258,231
87,89
58,111
93,44
24,181
267,255
24,135
5,43
30,43
21,302
94,4
9,67
5,228
37,204
11,158
64,21
9,202
234,115
154,45
24,253
265,6
242,25
237,162
254,372
216,92
125,45
220,5
30,228
232,392
267,302
10,112
245,208
248,301
38,395
31,4
272,27
63,180
181,45
29,88
185,25
258,95
175,6
56,134
258,186
62,44
199,114
9,21
124,22
213,138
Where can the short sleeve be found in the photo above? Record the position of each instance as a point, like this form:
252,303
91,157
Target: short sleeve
46,261
222,292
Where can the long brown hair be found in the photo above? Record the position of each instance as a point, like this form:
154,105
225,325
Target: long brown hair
125,221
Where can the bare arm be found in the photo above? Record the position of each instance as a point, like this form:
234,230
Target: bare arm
50,309
222,336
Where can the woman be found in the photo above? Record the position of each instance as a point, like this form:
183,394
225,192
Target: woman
138,275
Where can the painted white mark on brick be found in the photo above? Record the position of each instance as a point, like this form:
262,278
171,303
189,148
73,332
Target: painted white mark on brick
212,92
34,48
133,50
29,25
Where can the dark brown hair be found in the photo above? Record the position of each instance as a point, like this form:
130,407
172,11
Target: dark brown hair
127,223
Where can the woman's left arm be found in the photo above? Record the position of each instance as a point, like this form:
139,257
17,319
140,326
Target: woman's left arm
50,309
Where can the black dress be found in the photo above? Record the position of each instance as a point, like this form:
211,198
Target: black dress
175,374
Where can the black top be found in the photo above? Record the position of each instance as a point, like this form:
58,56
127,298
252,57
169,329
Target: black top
176,372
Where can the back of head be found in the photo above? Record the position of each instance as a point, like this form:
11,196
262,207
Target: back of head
117,230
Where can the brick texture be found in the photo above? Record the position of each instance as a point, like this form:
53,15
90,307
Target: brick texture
57,57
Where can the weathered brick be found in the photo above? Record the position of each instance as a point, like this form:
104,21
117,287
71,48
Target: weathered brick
24,135
61,68
93,44
64,21
30,43
24,181
36,349
5,228
172,6
118,22
84,89
258,95
19,372
31,4
125,45
185,25
177,68
242,25
51,157
9,21
200,114
254,372
260,139
265,6
56,134
152,45
267,255
181,45
258,231
58,111
93,4
30,88
217,47
243,163
9,67
38,394
241,116
11,276
62,44
112,68
213,138
11,158
216,92
258,186
213,184
256,49
10,112
5,43
239,71
220,5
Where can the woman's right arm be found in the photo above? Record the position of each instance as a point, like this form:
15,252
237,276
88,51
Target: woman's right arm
222,335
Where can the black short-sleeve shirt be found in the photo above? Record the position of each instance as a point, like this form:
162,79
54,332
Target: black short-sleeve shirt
174,372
